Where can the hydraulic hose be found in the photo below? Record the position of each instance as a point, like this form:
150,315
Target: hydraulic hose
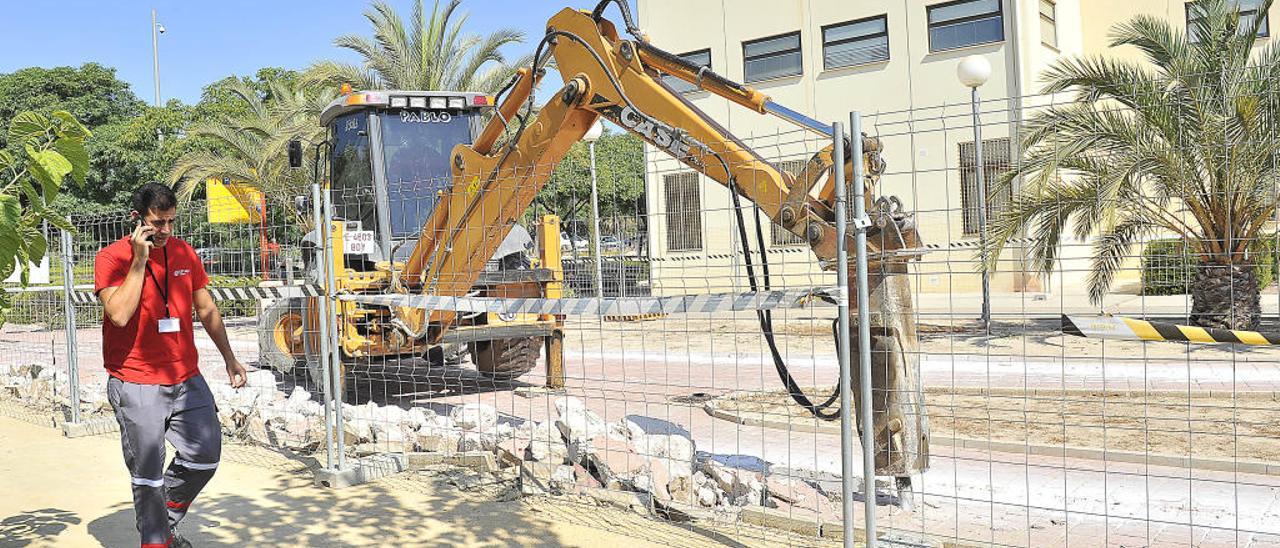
820,410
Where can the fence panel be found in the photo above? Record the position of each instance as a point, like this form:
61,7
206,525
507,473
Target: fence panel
644,363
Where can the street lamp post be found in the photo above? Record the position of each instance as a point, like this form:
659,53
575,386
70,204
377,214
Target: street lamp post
156,30
591,137
973,72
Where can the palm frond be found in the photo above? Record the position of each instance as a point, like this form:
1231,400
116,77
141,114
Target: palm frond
1109,254
429,51
1181,144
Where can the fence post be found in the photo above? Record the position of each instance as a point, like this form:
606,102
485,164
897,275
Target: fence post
331,429
860,223
69,313
842,342
846,379
595,226
335,354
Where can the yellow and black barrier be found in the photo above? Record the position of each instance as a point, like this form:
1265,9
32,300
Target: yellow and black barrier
1129,329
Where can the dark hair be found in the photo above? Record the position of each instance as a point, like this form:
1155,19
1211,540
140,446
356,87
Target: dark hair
153,197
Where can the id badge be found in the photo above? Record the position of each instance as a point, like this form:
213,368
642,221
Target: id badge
169,325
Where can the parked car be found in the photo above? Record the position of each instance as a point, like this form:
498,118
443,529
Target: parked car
612,243
570,243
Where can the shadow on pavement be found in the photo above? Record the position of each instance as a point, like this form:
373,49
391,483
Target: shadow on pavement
36,525
372,514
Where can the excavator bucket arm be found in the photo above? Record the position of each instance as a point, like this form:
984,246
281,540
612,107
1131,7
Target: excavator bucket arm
621,80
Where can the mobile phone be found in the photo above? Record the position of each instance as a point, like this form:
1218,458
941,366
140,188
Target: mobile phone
150,237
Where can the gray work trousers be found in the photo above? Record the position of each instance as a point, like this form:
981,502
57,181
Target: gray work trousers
148,414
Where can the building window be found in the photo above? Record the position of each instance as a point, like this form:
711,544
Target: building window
995,161
1048,24
684,211
855,42
701,58
778,236
773,57
965,23
1248,10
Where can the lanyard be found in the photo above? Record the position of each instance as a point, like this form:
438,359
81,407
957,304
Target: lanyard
164,293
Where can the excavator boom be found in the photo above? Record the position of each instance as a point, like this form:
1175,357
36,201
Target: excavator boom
495,180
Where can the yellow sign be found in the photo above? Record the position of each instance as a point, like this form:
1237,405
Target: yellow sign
232,202
474,186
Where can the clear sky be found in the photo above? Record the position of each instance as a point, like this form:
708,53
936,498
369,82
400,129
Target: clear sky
210,39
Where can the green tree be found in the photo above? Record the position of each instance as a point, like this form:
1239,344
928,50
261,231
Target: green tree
223,97
430,53
619,181
53,148
1181,144
127,151
91,93
248,141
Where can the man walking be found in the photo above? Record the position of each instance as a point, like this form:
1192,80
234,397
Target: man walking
149,283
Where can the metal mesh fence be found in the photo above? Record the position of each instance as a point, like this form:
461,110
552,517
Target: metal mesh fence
632,357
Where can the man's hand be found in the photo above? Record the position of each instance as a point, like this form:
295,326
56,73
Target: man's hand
141,243
236,373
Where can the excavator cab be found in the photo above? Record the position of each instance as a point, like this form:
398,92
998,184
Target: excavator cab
387,169
389,162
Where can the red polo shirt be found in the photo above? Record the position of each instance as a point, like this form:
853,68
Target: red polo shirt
139,352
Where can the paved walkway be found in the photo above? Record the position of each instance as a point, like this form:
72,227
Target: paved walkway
75,492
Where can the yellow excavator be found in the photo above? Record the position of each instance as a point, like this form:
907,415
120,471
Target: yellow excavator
428,194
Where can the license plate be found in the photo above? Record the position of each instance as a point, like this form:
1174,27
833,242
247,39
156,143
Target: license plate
358,242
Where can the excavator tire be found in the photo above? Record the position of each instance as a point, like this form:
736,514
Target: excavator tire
505,359
279,348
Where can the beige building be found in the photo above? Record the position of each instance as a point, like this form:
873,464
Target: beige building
894,61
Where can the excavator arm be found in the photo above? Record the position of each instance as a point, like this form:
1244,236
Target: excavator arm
495,180
620,80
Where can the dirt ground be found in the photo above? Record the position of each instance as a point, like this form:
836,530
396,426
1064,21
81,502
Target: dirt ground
74,492
1203,427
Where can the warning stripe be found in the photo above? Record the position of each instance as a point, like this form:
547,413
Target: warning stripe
1118,328
961,244
684,258
973,244
630,306
229,293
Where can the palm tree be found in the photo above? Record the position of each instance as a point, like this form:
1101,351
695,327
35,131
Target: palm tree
1180,145
432,53
251,146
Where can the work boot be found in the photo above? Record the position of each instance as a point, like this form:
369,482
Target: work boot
176,540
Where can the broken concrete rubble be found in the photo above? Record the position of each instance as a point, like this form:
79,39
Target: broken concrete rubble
796,492
260,380
547,445
474,416
707,496
736,482
542,478
681,489
477,441
576,422
417,417
437,440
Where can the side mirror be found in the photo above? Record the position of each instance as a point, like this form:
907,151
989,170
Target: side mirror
295,153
